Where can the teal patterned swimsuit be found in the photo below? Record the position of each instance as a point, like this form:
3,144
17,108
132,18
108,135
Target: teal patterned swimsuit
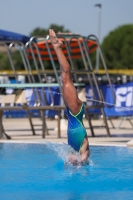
76,131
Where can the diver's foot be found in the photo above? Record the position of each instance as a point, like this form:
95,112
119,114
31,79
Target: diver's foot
54,40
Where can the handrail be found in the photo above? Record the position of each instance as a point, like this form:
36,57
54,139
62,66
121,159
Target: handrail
85,64
101,54
32,43
25,62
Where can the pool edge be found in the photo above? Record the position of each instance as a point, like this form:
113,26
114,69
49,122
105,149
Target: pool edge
43,142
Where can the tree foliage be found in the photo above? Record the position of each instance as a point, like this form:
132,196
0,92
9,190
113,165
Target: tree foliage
117,48
4,62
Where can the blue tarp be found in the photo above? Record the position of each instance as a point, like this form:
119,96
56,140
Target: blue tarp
11,36
123,106
124,100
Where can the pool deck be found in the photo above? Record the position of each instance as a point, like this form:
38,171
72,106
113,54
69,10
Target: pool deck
19,130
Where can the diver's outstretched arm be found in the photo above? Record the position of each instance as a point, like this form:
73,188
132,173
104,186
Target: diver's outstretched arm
69,91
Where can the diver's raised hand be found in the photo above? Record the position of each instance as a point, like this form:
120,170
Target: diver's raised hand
54,40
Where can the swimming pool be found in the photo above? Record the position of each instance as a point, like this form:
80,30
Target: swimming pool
37,171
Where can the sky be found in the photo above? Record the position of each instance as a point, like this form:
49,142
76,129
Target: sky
79,16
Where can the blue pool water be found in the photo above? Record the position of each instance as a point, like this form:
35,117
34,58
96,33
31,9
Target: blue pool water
37,172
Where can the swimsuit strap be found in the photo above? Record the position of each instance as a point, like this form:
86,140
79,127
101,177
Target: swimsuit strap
78,117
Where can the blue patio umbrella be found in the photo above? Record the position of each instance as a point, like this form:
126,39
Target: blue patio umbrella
11,36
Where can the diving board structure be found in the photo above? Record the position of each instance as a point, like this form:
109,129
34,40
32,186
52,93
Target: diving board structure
35,53
34,85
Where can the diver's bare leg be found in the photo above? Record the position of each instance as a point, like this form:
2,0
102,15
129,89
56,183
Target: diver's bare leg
69,91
